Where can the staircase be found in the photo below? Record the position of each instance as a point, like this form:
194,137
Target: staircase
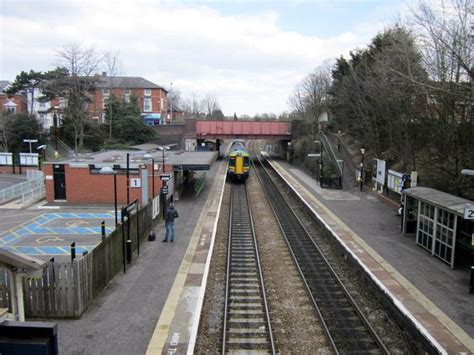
63,150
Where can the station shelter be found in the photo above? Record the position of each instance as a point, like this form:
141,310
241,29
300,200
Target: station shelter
130,175
442,223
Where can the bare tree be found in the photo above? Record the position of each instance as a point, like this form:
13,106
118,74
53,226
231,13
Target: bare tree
311,95
445,32
81,64
210,104
114,66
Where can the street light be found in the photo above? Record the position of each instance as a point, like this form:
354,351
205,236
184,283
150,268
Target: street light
163,148
56,125
362,151
29,141
148,156
107,170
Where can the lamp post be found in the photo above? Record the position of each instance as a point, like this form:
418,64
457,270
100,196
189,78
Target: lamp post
42,148
362,151
29,141
339,141
56,125
107,170
163,148
148,156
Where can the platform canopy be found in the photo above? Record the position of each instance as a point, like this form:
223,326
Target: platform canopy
448,202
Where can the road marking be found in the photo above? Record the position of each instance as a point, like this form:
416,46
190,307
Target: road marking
76,223
48,239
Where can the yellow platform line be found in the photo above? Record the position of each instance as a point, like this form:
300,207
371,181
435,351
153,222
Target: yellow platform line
161,332
447,322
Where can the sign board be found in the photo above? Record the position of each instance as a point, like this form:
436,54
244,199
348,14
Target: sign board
469,212
165,177
29,159
395,181
6,159
314,155
49,177
380,168
164,190
156,206
135,182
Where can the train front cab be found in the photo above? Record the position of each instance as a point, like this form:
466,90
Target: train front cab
238,167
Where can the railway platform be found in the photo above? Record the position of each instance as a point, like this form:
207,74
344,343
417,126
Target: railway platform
434,296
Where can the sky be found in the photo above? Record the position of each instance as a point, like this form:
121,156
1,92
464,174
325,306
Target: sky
250,55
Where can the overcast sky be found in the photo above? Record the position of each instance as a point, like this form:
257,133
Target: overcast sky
249,54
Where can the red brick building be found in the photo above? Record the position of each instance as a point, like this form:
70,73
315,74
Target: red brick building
152,98
12,103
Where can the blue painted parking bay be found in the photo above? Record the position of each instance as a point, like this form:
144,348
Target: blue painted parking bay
51,234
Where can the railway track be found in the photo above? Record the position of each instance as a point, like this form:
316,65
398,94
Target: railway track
346,327
247,327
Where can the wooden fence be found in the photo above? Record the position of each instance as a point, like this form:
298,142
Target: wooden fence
67,289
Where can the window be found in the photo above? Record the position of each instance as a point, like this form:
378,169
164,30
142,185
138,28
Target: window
147,92
11,109
128,92
62,102
106,92
126,99
147,107
42,104
105,101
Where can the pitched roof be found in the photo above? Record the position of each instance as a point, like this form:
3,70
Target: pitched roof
127,82
3,85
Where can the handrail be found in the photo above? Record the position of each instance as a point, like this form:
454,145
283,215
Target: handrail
23,189
332,155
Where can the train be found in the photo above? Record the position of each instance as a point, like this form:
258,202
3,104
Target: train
239,161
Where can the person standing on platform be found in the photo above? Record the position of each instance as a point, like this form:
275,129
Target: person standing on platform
170,215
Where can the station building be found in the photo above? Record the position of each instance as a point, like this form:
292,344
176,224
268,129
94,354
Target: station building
83,180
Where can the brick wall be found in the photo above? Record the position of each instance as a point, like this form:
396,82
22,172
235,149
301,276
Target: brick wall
84,187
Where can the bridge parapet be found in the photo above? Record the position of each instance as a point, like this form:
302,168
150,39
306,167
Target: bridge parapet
243,129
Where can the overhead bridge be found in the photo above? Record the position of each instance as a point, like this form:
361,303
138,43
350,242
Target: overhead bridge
243,129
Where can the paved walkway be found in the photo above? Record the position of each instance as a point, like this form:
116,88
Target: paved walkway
123,317
378,226
439,290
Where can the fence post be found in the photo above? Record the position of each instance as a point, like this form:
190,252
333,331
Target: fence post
73,251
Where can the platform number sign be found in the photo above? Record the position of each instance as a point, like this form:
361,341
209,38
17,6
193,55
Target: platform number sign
135,182
469,212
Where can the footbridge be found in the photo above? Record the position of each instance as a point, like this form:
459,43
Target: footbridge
243,129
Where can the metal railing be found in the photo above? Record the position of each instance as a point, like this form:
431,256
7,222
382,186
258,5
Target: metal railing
28,190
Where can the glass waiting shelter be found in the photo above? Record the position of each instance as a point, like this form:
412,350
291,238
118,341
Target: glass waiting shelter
437,220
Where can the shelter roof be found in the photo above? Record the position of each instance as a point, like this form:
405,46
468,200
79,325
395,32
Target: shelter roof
178,159
452,203
20,261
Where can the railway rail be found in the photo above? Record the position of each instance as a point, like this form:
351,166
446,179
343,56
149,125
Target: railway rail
247,325
346,327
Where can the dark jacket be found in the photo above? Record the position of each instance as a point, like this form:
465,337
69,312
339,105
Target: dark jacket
171,214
